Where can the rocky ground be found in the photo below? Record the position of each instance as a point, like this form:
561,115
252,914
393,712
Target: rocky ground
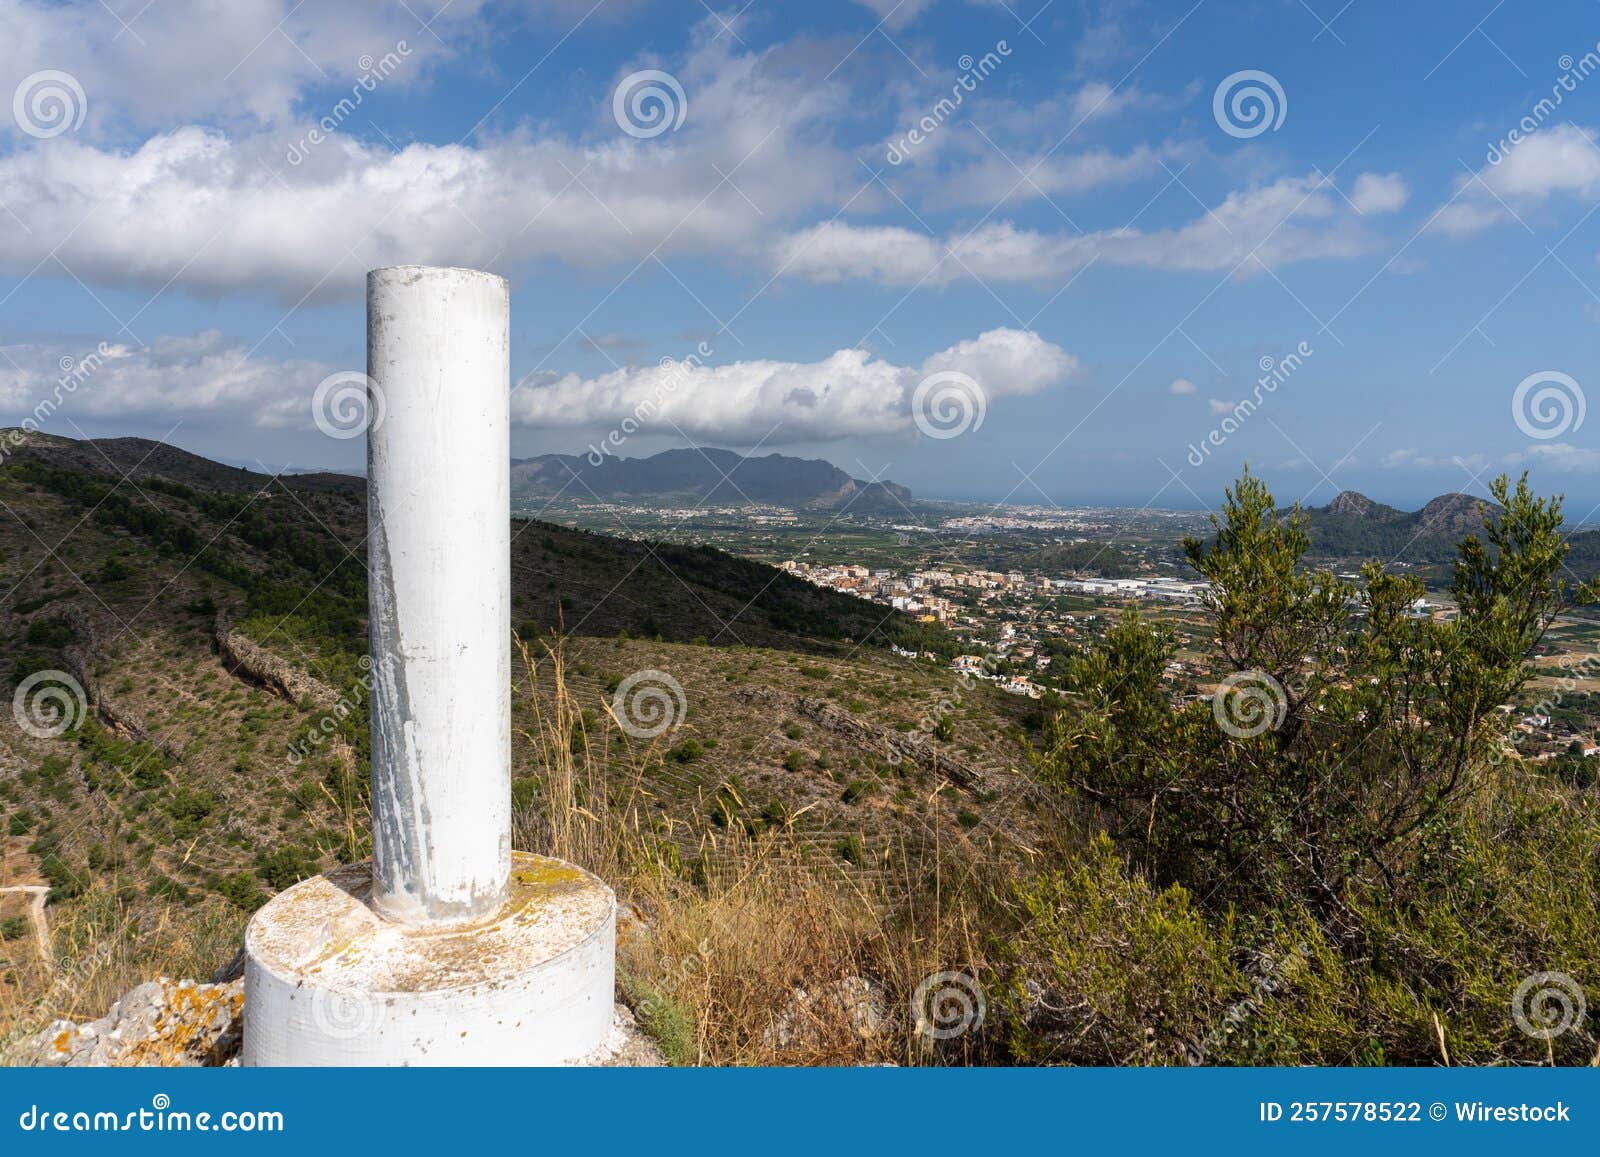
187,1024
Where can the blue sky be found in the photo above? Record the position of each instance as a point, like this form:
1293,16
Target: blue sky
1088,248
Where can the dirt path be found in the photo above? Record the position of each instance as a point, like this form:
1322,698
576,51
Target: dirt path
41,925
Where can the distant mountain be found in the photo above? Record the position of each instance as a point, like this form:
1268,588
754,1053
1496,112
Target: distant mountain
1355,528
704,476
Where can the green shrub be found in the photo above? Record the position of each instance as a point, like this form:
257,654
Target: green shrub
286,866
1107,969
65,880
243,889
667,1020
524,791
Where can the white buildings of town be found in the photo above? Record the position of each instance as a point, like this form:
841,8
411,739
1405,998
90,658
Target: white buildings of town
1159,589
1014,633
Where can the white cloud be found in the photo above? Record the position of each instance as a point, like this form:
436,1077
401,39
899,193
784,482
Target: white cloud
1099,99
246,63
838,251
1379,192
1220,406
178,377
1408,458
219,207
249,60
1463,218
1182,386
896,13
1559,160
899,13
210,377
848,394
1561,456
1292,219
224,211
992,180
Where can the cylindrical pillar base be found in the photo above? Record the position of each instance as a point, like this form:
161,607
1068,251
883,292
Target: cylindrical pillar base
328,981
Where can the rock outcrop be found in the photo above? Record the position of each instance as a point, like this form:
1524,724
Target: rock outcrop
162,1022
81,658
243,656
913,747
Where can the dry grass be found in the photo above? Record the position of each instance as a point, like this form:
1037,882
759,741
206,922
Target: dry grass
751,938
102,949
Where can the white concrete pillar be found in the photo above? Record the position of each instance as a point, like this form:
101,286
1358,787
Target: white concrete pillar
451,949
439,585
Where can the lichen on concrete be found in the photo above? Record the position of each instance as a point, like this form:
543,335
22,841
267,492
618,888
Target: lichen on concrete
327,926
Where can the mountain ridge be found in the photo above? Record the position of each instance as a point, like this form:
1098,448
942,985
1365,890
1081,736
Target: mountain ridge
705,476
1354,526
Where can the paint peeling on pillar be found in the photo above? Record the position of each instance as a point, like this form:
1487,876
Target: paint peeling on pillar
439,592
400,848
